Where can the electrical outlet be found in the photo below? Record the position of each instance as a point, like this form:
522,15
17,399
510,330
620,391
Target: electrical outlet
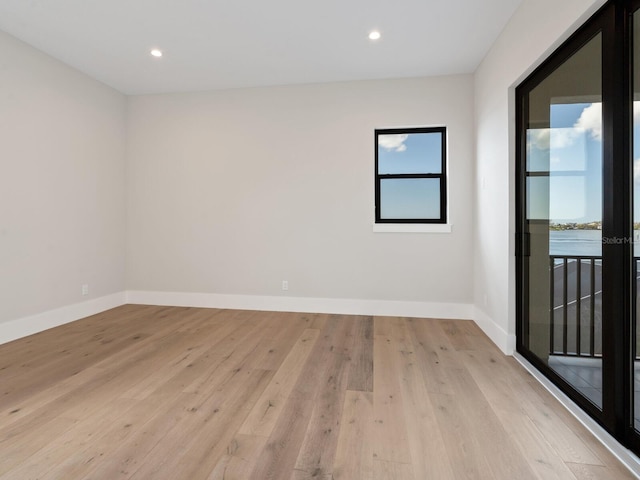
85,289
285,285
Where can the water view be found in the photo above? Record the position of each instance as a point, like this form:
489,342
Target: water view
575,242
582,242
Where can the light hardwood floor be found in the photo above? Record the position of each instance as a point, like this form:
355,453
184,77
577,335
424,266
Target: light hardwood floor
147,392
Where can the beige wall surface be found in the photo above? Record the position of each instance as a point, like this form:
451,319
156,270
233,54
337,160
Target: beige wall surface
232,192
537,27
62,198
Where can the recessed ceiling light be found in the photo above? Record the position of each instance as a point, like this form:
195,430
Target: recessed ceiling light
156,53
374,35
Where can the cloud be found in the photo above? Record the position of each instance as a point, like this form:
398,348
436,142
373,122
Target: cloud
393,142
590,120
636,170
539,138
554,138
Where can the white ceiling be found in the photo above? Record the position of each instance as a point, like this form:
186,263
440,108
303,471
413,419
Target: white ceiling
215,44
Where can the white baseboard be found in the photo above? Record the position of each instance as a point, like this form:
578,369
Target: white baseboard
304,304
25,326
504,341
626,456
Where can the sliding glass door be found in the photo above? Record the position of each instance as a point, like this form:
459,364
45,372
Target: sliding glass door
578,224
563,175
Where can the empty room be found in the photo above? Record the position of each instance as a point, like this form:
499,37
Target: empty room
334,240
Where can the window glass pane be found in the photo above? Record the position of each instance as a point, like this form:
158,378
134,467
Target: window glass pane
410,153
567,201
564,163
538,198
410,198
538,140
570,143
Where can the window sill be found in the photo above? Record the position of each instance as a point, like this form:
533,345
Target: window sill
412,227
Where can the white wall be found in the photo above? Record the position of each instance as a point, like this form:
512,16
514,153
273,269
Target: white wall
537,27
62,196
232,192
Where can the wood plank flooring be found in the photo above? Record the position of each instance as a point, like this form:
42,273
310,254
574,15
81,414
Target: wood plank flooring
147,392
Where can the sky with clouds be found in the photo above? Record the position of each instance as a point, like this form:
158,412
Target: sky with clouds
410,153
571,150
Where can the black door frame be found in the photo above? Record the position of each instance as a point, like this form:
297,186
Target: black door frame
614,21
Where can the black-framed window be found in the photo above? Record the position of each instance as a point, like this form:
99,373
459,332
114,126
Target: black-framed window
411,175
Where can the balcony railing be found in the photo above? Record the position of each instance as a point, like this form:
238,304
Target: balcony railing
576,305
576,300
